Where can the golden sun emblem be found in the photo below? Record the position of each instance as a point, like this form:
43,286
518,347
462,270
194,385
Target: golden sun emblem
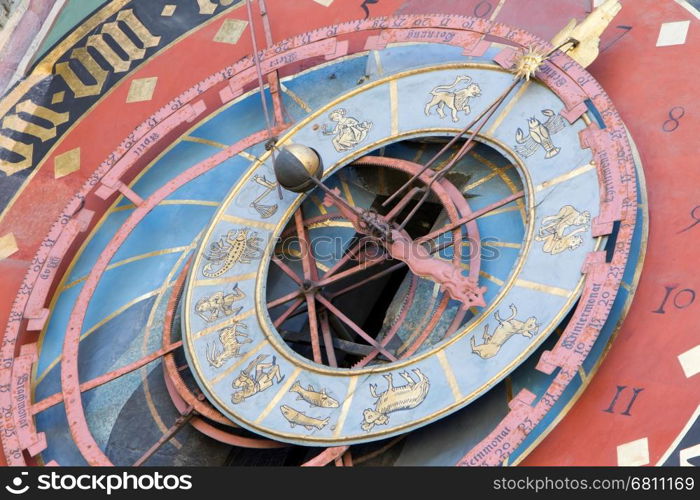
528,63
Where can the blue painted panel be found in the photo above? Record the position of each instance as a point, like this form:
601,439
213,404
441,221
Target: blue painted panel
97,242
235,122
215,184
166,226
183,155
120,286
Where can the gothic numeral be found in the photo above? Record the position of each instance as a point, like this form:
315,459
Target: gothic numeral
620,390
681,299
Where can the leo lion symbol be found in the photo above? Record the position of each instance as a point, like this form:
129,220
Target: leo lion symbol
456,100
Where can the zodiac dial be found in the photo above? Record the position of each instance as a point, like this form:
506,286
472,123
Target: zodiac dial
370,290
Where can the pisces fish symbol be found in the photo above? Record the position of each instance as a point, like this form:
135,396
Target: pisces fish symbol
313,397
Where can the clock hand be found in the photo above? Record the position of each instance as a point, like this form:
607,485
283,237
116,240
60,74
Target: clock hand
524,68
354,250
447,146
299,170
401,247
423,239
422,263
468,145
474,215
276,101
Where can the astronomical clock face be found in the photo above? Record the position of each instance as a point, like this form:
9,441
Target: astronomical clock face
426,241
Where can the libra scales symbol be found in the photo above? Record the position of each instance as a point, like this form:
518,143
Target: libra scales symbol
265,211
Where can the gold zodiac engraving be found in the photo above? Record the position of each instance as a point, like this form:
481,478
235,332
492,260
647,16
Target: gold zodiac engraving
313,397
505,330
553,230
456,100
255,378
219,304
404,397
539,135
348,131
231,249
230,343
295,417
265,211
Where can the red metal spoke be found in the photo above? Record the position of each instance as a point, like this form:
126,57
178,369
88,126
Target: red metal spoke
398,208
286,314
353,270
313,328
47,403
273,79
474,215
287,270
374,277
327,338
350,254
273,82
395,327
326,456
180,422
353,326
258,67
308,263
298,311
282,300
339,344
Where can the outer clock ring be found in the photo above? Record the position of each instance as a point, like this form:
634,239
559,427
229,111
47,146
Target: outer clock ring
279,348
